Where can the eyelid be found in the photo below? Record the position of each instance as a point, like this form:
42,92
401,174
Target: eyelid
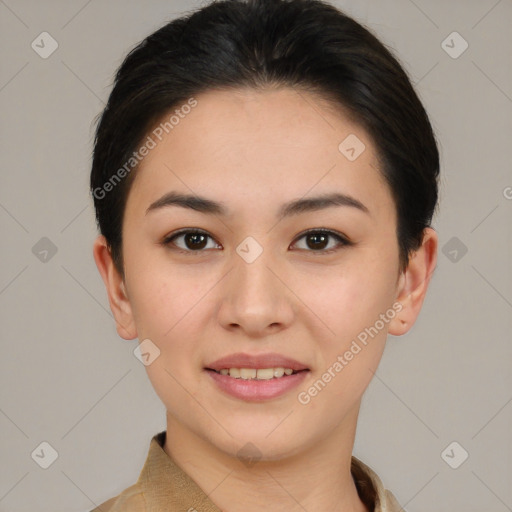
325,231
343,240
184,231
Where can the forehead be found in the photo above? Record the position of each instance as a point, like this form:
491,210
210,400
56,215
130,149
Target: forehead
259,146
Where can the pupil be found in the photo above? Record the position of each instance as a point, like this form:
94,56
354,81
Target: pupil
317,237
194,237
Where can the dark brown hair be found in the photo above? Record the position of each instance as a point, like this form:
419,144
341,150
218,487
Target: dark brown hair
307,44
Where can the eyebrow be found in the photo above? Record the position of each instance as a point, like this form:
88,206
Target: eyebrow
295,207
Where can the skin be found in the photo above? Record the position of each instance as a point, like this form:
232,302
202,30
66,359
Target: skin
254,151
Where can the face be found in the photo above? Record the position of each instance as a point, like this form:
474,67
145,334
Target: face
253,281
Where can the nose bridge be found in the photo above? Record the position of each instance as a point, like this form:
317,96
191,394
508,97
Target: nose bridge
256,296
255,283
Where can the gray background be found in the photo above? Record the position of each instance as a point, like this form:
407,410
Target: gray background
68,379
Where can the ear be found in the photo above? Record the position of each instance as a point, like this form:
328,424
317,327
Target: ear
413,283
116,290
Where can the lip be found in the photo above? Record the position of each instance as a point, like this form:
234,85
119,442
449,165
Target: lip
256,390
243,360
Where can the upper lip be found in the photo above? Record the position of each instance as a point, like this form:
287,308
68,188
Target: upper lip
243,360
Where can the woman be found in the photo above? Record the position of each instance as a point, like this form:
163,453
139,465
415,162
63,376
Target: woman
264,178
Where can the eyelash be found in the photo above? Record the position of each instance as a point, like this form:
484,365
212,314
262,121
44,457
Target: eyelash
343,241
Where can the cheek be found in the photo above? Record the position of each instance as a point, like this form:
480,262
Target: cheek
351,297
158,296
351,349
169,309
162,311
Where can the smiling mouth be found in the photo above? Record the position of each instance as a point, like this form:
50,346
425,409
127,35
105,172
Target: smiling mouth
257,373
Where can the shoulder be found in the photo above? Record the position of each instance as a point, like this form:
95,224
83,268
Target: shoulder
130,500
371,489
391,503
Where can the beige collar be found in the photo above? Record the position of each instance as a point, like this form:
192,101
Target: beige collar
164,486
162,478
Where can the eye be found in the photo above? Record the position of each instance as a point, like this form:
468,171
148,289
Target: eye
318,240
195,240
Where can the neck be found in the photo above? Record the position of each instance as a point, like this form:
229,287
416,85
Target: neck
317,478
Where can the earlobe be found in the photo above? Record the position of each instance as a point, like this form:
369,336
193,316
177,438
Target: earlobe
413,283
116,290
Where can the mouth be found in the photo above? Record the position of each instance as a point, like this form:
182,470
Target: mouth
257,374
256,377
256,384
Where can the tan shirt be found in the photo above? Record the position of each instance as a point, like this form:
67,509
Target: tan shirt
164,487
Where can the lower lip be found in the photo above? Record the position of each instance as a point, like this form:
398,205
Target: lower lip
257,390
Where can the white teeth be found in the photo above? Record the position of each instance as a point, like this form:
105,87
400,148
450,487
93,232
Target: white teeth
234,372
278,372
248,373
253,373
265,373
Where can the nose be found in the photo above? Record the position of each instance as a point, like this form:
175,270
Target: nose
256,298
